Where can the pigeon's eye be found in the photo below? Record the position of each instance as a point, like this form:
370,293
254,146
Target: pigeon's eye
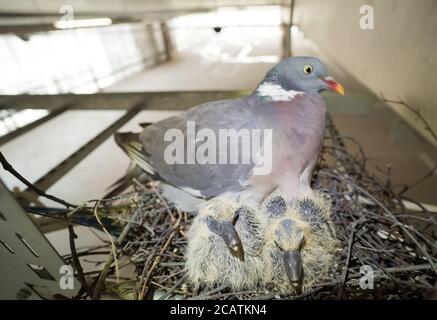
308,69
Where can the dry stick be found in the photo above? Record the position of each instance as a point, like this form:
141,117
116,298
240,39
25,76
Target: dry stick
339,192
337,140
169,276
158,259
415,111
424,178
400,224
421,206
170,292
153,253
102,276
225,294
113,247
208,293
418,267
8,167
348,257
86,251
383,189
76,261
91,253
126,229
150,257
110,259
157,194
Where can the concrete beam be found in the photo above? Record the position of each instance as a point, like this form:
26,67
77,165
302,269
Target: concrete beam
180,100
65,166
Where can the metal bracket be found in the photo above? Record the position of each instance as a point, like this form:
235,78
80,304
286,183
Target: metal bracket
30,268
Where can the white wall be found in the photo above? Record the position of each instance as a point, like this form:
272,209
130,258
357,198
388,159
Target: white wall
398,57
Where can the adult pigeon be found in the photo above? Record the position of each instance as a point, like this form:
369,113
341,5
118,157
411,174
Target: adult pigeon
286,105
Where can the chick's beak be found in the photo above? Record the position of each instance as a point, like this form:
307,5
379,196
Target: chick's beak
293,266
334,85
232,240
226,230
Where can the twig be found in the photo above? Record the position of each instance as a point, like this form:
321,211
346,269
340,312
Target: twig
102,277
76,262
419,181
8,167
348,256
158,259
111,258
170,292
415,111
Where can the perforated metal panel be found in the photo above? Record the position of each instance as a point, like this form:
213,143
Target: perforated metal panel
29,266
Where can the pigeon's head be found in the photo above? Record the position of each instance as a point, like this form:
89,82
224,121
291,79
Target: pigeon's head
304,74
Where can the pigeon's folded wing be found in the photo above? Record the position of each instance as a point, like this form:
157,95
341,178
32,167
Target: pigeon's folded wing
206,180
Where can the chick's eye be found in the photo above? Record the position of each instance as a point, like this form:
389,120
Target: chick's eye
308,69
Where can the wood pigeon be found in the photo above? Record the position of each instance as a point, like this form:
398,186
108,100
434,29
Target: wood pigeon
287,101
285,114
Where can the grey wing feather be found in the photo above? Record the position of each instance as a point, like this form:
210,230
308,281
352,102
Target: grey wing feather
206,180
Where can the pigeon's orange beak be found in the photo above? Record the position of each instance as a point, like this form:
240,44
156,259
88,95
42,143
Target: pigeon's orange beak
334,85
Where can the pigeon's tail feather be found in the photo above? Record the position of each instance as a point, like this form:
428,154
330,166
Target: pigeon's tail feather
132,146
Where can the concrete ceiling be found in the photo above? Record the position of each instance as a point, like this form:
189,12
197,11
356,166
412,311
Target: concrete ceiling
123,6
27,16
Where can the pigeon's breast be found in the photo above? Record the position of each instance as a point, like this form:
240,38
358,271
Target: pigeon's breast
298,129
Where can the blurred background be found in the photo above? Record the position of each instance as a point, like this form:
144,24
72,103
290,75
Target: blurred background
72,72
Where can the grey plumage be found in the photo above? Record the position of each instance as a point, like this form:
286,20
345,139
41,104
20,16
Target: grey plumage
209,180
287,101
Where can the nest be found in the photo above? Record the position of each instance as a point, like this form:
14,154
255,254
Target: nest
386,251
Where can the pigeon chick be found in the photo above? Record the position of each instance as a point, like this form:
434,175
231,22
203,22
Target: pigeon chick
299,243
215,254
286,247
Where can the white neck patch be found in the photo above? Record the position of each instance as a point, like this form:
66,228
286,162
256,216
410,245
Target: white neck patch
276,92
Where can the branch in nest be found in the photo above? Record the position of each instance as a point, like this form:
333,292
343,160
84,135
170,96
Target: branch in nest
76,262
8,167
414,110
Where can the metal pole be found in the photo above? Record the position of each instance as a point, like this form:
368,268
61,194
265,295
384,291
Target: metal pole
286,24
